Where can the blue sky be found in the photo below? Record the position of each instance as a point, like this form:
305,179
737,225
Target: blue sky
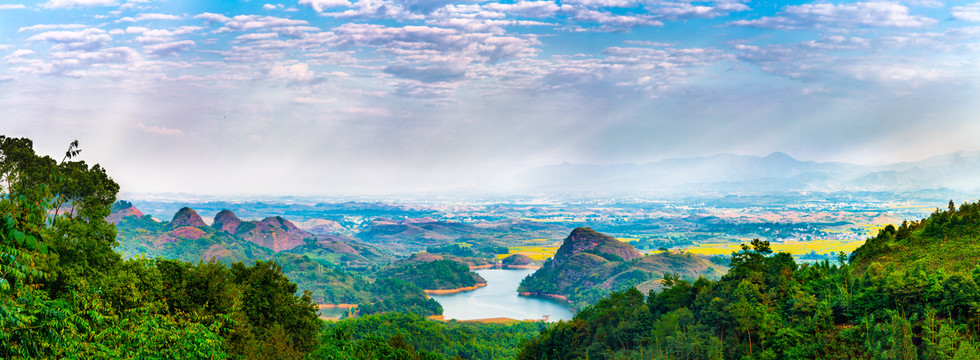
391,96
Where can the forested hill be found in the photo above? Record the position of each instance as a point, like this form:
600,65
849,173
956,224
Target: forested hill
948,241
908,293
589,265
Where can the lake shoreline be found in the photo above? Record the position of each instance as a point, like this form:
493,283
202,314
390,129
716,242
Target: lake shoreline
493,320
543,295
505,267
453,291
336,306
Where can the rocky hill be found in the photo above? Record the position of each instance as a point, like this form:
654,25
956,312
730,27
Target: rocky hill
590,265
188,237
187,217
275,233
226,221
121,210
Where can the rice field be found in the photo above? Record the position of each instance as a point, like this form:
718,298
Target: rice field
534,252
794,248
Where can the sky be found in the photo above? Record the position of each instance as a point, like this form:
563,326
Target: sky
360,97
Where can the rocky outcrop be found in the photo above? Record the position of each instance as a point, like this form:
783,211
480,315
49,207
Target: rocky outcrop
275,233
584,239
517,260
187,217
226,221
122,210
181,233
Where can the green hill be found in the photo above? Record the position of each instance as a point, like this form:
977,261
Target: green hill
948,240
435,275
589,265
908,293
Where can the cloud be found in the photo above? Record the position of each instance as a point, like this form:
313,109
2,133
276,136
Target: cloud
428,74
269,7
843,16
840,61
55,4
320,5
18,56
75,63
149,17
46,27
12,6
609,21
160,130
291,71
88,39
148,36
531,9
970,13
682,10
168,49
212,17
432,43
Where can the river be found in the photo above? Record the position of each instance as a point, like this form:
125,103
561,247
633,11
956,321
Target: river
499,299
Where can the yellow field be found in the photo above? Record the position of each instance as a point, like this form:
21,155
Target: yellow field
534,252
795,248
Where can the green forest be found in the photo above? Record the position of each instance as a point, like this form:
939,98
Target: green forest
66,292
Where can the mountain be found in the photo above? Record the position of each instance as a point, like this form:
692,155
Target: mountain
416,234
908,293
187,217
432,273
230,239
723,174
121,210
226,221
589,265
273,232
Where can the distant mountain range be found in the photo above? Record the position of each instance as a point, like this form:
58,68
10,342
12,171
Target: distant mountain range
743,174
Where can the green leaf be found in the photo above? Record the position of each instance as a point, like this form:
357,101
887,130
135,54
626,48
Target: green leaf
32,242
18,236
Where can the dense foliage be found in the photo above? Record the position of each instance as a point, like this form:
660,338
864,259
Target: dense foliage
885,304
65,292
435,275
401,336
590,265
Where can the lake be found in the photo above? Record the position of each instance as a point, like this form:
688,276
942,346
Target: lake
499,299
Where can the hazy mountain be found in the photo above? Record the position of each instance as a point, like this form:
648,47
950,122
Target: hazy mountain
739,174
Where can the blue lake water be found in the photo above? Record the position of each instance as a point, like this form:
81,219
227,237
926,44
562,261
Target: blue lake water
499,299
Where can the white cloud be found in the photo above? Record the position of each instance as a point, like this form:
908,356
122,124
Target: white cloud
53,4
160,35
969,12
532,9
75,63
212,17
168,49
257,36
609,21
377,9
320,5
681,10
12,6
46,27
291,71
18,56
268,7
150,17
88,39
843,16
